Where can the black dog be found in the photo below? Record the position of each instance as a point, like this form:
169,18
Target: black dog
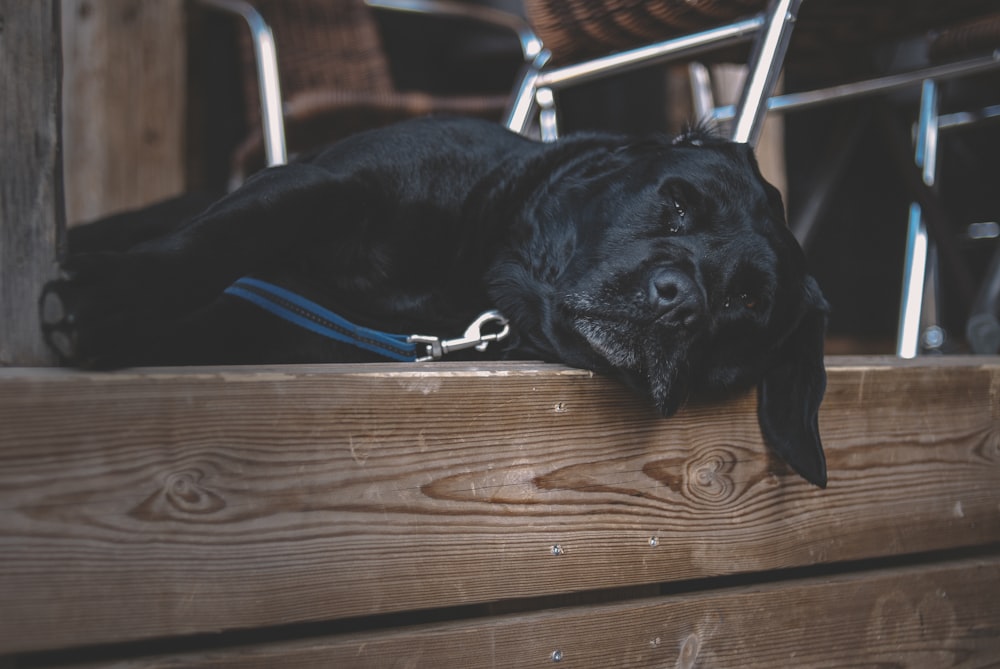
665,264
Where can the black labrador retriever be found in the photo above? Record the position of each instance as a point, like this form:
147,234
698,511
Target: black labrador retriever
664,263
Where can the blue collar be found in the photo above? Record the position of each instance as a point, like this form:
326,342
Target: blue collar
305,313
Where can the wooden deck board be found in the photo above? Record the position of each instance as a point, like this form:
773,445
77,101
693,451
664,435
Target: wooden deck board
926,616
151,503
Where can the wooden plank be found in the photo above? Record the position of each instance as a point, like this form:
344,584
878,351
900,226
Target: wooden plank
124,99
148,503
942,615
31,181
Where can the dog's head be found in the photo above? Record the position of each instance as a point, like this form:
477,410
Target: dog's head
669,265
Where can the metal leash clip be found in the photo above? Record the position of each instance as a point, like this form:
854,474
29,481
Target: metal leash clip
474,337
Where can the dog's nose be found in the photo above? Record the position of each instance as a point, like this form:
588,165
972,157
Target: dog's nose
674,297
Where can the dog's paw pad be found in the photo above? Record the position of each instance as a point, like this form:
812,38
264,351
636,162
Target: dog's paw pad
63,342
58,323
53,311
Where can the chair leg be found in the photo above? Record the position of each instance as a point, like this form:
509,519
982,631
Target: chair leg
548,117
765,67
267,76
917,241
523,100
702,97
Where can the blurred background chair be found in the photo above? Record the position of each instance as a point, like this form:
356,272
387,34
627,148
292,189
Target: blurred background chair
929,54
317,70
977,38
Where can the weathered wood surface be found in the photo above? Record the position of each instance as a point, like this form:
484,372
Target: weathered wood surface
30,178
124,93
938,616
150,503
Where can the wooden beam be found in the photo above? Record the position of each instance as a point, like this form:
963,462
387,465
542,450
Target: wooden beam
151,503
31,179
939,615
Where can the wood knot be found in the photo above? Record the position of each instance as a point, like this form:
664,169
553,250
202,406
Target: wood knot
689,650
989,450
182,495
708,477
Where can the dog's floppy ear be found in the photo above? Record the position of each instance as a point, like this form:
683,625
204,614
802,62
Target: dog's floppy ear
792,389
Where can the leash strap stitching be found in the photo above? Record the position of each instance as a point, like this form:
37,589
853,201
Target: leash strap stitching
311,316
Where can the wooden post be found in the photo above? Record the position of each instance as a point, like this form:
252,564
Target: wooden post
124,94
31,211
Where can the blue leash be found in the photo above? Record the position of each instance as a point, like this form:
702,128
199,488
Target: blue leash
305,313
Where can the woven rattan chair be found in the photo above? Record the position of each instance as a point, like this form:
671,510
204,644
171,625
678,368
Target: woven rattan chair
334,77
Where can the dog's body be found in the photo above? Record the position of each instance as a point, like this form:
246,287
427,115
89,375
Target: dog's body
664,264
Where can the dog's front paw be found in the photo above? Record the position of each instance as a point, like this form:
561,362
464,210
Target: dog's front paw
102,313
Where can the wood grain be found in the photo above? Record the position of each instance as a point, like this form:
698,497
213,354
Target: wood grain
159,502
31,179
124,100
941,616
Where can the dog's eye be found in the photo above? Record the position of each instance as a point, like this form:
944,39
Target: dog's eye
745,300
676,217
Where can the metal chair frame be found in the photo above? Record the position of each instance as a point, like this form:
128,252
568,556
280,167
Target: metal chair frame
918,311
771,31
266,59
